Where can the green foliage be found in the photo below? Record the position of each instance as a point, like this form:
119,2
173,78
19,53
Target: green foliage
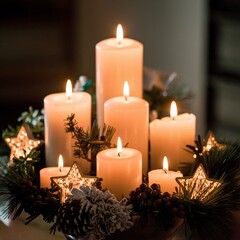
159,100
214,218
34,118
89,142
17,194
26,163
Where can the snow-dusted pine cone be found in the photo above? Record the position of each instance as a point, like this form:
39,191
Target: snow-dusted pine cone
72,221
93,214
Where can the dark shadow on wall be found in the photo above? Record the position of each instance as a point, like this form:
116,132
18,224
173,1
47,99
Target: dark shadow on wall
36,53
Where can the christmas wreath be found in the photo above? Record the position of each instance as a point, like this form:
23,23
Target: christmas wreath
204,203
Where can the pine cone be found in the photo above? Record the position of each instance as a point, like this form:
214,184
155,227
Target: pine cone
72,220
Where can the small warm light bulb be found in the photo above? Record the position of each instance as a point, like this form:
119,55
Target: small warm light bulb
69,89
119,146
173,110
60,162
165,164
119,34
126,90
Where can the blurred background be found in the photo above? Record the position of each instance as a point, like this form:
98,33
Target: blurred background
43,43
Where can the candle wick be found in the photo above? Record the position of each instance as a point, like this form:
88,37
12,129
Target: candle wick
126,98
69,98
119,154
119,42
60,169
165,171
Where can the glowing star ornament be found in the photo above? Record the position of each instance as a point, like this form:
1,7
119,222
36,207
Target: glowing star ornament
23,144
198,186
74,179
212,142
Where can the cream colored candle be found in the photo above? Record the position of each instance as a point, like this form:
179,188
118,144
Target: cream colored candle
121,170
57,107
117,59
130,117
169,137
47,173
164,177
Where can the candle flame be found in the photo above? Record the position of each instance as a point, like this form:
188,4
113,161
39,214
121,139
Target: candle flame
119,146
60,162
165,164
69,89
173,110
119,34
126,90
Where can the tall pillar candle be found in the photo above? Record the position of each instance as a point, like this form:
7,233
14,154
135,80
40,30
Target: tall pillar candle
169,137
57,107
130,117
121,172
117,59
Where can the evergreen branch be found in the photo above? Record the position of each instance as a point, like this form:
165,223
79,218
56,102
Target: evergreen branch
214,218
18,194
89,142
26,163
33,118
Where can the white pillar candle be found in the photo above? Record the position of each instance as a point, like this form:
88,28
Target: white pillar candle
169,137
130,117
47,173
117,59
57,107
121,170
165,178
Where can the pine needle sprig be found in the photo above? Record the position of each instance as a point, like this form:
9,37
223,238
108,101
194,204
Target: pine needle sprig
213,218
89,142
100,139
10,194
18,194
81,137
27,162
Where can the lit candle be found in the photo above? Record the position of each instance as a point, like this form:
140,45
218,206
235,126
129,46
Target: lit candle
121,170
130,117
169,137
57,107
117,59
47,173
164,177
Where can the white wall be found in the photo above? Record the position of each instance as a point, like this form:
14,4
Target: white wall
173,33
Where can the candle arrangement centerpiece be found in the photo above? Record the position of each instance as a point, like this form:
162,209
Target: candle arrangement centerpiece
104,190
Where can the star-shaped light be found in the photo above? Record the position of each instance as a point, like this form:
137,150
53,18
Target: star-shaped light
74,179
212,142
198,186
22,144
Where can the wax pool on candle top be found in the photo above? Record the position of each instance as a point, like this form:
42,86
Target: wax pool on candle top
117,60
121,172
57,107
169,137
130,117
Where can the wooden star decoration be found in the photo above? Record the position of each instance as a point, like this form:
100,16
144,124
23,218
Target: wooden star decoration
198,186
212,142
23,144
73,179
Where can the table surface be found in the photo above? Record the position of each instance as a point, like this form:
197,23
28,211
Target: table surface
37,230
